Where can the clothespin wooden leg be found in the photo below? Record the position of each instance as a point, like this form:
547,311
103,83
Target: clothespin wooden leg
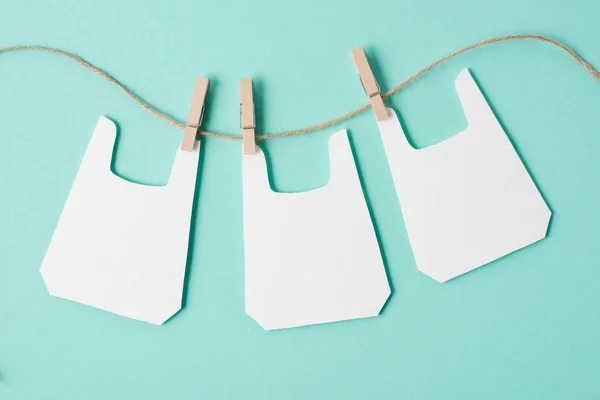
249,141
190,132
247,116
369,83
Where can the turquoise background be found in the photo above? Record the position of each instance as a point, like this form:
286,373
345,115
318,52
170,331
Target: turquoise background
524,327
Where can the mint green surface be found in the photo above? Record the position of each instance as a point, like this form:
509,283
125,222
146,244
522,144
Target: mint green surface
524,327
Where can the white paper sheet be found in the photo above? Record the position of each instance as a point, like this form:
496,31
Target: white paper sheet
467,200
121,246
311,257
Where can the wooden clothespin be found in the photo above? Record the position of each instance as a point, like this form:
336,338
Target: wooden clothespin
190,132
369,83
247,116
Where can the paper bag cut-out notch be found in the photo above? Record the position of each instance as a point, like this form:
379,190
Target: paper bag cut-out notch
120,246
467,200
310,257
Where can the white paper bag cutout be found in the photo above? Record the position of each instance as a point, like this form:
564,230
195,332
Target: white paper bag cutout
121,246
310,257
468,200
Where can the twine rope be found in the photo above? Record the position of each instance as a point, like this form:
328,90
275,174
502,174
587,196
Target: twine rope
172,121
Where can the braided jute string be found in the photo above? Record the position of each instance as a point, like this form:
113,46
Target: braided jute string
327,124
